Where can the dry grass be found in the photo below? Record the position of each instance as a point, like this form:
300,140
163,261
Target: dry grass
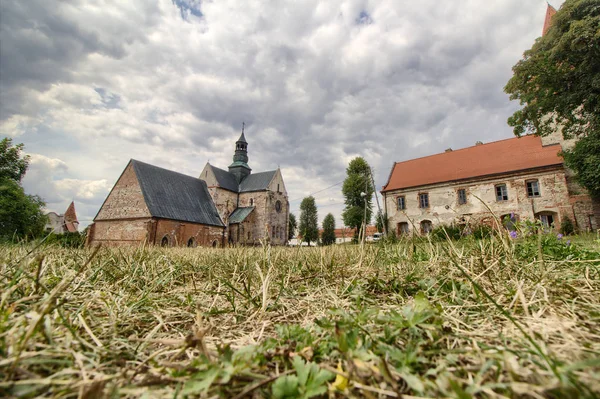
414,319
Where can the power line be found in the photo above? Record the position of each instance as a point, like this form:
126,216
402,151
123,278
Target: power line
316,192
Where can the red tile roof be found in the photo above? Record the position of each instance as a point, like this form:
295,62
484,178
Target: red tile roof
70,227
550,11
498,157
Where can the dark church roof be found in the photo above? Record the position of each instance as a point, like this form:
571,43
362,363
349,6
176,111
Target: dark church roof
172,195
257,181
225,179
240,214
253,182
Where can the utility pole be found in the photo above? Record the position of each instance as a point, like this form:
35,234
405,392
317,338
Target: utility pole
364,223
383,221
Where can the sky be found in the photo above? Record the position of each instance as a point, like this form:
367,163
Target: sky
86,86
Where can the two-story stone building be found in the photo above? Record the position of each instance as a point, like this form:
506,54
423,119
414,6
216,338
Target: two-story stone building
519,177
157,206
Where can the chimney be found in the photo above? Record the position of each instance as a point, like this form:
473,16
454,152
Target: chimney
448,150
479,143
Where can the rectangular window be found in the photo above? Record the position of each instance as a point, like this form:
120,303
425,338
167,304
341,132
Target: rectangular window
401,203
424,200
533,188
501,192
462,196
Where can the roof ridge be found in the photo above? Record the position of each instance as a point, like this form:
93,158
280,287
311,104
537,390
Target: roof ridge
465,148
168,170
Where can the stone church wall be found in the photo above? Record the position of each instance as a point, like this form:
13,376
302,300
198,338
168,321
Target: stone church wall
125,199
243,233
152,231
444,207
119,232
225,201
179,234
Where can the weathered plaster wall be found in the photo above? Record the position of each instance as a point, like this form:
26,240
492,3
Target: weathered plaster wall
444,207
125,199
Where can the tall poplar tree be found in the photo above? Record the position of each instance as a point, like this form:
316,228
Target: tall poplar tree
309,230
328,235
358,193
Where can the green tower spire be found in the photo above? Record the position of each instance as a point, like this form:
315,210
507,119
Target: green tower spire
240,167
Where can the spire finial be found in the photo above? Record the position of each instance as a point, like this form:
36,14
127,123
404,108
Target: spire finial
243,125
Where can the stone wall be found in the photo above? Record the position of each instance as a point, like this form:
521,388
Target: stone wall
226,201
125,199
444,207
243,233
152,231
119,232
179,234
268,224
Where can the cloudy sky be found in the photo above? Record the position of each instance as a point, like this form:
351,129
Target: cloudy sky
87,85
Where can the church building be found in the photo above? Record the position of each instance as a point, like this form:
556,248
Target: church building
152,205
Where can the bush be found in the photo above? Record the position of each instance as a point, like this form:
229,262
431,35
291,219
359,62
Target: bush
482,231
67,240
453,231
566,226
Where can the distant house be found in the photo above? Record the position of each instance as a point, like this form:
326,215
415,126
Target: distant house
346,234
149,204
517,178
60,224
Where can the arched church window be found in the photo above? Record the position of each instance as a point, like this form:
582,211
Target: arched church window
215,243
191,243
278,206
165,241
251,201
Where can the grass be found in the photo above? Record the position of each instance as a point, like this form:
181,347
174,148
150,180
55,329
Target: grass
468,319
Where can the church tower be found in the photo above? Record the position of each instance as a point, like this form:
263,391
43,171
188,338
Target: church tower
239,168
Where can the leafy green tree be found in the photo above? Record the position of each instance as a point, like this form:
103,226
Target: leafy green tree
292,226
309,220
584,159
12,165
328,235
21,215
358,193
557,84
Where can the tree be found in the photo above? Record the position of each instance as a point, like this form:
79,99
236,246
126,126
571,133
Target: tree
328,235
21,215
557,86
12,165
292,226
308,220
357,184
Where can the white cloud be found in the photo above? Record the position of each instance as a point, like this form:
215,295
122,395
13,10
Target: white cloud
318,82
